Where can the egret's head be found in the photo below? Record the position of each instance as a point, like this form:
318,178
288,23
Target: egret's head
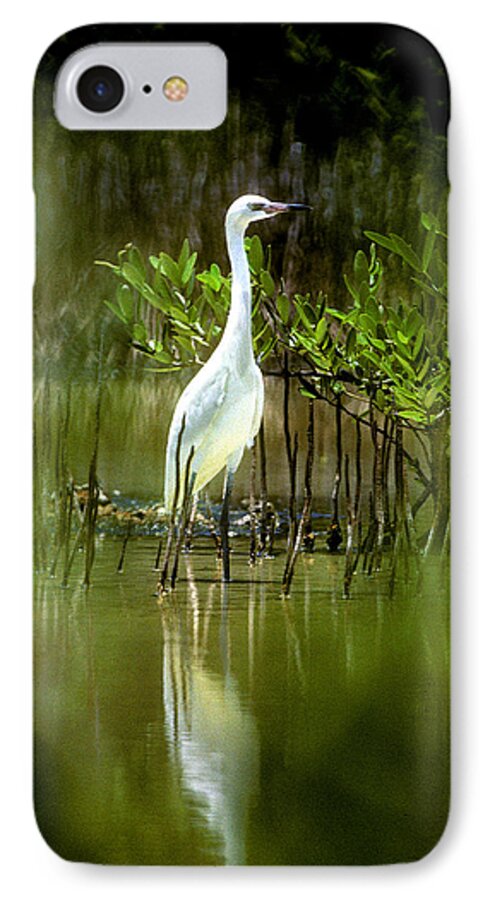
253,208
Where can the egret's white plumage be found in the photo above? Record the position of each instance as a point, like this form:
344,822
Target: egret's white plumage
223,403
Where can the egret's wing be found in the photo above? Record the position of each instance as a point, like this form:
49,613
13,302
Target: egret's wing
201,404
234,426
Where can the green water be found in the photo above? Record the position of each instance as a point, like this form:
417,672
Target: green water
226,725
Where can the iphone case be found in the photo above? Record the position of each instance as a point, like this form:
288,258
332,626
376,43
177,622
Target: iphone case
242,590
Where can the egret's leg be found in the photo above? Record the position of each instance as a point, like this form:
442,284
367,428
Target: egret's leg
225,524
183,518
168,550
173,515
190,525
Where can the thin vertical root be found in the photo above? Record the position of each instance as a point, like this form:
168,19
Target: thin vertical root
399,555
378,502
357,497
308,536
66,570
78,543
264,533
156,564
63,498
291,454
349,544
334,535
307,503
368,543
388,443
92,504
122,556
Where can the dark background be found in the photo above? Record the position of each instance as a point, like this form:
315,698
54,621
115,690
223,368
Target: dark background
348,118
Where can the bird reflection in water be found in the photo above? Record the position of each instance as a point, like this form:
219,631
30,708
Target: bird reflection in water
212,737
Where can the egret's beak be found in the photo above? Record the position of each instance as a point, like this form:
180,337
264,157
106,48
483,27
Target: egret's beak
273,208
298,206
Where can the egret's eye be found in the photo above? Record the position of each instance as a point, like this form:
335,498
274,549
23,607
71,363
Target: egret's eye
255,207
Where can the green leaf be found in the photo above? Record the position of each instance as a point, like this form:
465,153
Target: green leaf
380,345
267,283
179,315
352,291
352,318
132,274
372,309
306,393
412,323
210,279
422,373
402,338
188,268
184,255
282,303
374,263
135,259
392,330
336,313
125,300
364,293
218,311
162,356
256,254
267,348
418,341
413,414
428,250
361,267
406,252
394,318
367,323
380,239
406,366
321,330
169,268
350,344
366,74
117,311
368,354
303,316
397,245
161,290
431,396
139,333
429,221
427,288
151,297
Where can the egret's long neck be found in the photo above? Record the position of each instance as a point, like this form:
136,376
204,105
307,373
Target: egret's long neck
238,331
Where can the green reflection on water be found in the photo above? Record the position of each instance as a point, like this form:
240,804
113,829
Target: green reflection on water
228,726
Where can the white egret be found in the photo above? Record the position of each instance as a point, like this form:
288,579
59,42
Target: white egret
220,411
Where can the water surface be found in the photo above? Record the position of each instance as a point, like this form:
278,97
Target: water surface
225,725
